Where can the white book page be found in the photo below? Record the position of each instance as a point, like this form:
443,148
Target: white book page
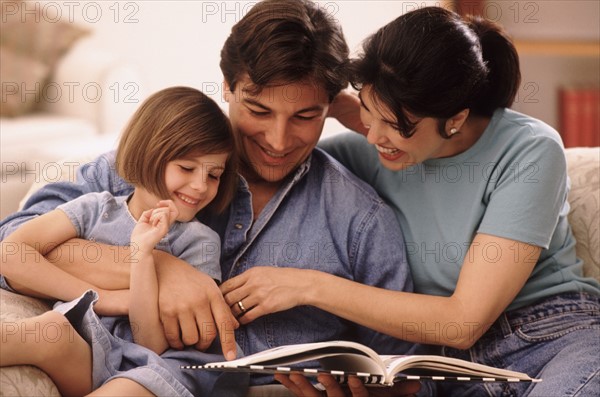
352,363
291,354
395,364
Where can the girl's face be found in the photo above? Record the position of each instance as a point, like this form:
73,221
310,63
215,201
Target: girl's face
192,183
395,151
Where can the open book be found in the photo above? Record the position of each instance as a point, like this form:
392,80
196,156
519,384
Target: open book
342,359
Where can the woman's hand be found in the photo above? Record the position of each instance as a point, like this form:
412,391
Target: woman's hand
265,290
345,108
301,387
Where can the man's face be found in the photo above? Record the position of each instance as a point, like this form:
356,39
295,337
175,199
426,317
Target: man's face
278,128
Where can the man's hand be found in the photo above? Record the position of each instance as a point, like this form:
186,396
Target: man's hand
192,308
301,387
265,290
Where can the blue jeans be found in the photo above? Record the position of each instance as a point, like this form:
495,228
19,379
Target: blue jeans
556,339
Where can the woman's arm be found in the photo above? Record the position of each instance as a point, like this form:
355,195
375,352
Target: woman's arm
494,271
28,271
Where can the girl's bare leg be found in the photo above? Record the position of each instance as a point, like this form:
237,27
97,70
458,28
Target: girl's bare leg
50,343
120,387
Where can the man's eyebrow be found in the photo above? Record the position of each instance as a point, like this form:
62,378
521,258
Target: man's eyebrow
315,108
256,103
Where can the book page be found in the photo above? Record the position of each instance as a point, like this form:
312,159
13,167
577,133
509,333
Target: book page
413,365
349,362
292,354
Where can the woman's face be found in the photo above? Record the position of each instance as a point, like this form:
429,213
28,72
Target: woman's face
395,151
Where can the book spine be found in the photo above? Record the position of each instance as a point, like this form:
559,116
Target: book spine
579,110
570,117
590,119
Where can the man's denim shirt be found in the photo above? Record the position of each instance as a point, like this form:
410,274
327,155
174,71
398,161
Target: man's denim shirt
322,218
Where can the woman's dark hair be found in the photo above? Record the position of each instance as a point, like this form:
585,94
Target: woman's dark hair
172,124
432,63
286,41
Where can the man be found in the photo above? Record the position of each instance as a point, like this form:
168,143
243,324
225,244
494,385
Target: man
296,210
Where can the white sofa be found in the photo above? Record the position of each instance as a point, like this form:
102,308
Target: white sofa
88,100
584,171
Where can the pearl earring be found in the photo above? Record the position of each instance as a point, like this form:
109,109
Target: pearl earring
453,131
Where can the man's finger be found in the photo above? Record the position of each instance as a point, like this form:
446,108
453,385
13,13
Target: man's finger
226,327
304,386
172,331
357,388
189,329
205,323
332,386
291,386
232,284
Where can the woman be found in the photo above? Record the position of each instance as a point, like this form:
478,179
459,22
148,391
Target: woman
481,195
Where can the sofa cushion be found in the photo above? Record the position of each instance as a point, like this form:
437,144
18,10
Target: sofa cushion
34,37
584,198
22,380
19,75
21,139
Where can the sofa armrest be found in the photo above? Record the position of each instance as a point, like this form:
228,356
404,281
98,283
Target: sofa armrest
94,85
23,380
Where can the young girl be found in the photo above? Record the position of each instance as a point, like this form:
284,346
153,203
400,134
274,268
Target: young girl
177,151
481,194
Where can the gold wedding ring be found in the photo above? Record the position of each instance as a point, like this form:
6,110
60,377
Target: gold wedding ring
241,306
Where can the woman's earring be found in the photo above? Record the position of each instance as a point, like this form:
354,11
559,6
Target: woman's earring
453,131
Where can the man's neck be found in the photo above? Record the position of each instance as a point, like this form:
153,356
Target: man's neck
262,191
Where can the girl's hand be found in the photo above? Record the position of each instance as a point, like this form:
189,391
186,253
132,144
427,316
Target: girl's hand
153,225
265,290
301,387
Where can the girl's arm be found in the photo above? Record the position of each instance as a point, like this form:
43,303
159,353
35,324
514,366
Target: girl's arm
144,317
494,271
27,270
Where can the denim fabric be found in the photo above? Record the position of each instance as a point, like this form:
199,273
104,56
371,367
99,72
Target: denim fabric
557,340
116,356
322,218
326,219
106,219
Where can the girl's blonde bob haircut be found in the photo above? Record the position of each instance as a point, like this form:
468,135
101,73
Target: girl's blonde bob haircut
171,124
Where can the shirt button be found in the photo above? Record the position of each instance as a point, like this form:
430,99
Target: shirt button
238,226
105,215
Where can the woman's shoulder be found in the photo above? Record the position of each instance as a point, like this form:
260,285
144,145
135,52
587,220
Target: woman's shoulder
517,137
523,128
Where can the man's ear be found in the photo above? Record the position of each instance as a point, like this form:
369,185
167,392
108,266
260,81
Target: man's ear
458,120
226,92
